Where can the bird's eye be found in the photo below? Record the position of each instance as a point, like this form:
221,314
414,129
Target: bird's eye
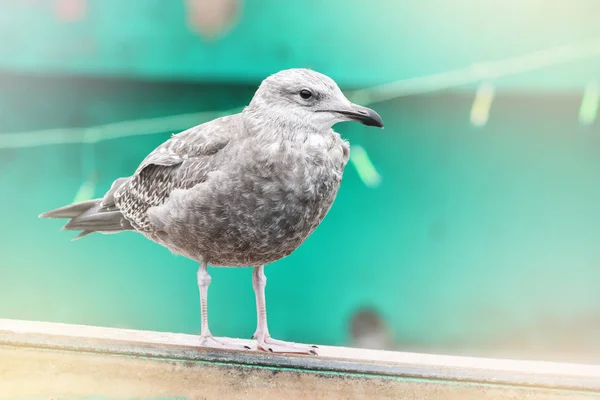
305,94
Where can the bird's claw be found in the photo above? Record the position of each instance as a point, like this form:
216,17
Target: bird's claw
278,346
221,343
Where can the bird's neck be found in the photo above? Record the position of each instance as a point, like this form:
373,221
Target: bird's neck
278,124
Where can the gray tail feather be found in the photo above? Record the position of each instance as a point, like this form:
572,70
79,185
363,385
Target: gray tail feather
89,217
71,210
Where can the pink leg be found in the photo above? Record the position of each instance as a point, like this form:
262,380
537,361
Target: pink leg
206,338
264,340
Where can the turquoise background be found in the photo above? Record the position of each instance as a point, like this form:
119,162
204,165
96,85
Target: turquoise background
478,239
358,42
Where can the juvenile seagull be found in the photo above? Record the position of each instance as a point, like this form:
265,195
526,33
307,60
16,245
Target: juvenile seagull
241,190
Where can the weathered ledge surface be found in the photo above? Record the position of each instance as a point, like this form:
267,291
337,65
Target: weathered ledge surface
51,360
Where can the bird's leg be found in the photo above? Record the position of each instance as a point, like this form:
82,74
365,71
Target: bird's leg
264,340
206,338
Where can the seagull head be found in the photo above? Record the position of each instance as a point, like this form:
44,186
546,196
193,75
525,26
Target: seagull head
305,97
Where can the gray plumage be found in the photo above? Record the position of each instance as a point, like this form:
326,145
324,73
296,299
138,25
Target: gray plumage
241,190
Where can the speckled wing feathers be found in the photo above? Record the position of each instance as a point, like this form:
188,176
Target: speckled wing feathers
180,163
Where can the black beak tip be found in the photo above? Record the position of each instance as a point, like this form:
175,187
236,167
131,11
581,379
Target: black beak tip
364,115
376,122
367,117
372,119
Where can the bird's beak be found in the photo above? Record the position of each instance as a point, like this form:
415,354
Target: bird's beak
361,114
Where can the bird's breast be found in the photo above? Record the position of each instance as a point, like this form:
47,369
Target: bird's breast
261,207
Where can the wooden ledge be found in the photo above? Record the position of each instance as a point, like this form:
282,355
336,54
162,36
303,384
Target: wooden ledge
50,359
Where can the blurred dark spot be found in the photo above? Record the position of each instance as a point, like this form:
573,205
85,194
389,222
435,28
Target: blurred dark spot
365,321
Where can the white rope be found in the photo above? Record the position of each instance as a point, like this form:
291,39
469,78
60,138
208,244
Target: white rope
481,71
472,74
94,134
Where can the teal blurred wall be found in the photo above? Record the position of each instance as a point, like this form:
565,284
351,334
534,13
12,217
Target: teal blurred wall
476,238
358,42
